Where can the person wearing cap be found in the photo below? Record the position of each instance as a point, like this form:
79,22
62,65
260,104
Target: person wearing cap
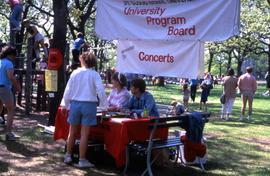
119,96
247,85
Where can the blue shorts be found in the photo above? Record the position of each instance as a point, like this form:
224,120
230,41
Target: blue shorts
82,113
6,95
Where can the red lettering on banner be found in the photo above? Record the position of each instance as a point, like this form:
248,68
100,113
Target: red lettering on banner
181,31
165,21
144,11
156,58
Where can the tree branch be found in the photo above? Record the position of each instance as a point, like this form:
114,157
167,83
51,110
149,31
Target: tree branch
39,8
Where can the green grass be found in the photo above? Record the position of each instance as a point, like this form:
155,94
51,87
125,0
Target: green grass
234,148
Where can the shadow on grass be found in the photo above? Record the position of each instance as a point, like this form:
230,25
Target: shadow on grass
19,148
3,166
137,166
231,155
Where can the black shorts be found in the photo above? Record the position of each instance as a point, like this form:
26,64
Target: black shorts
75,54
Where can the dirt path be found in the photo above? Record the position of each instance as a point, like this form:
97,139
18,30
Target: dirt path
35,153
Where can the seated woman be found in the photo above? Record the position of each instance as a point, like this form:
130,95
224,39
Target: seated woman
119,96
142,100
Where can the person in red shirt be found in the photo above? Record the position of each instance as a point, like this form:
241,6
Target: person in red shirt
247,85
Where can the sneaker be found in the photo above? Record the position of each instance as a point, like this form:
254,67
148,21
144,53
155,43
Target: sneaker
228,117
84,164
249,118
11,136
241,118
222,116
67,159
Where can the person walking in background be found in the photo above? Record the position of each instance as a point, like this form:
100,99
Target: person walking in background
206,86
77,45
267,79
80,97
247,85
193,88
186,93
230,85
119,96
7,80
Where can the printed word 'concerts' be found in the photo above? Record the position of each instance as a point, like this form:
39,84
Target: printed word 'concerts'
156,58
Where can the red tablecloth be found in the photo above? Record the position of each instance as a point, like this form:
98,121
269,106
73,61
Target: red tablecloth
115,134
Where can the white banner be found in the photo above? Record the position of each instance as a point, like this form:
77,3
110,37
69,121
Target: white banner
163,58
206,20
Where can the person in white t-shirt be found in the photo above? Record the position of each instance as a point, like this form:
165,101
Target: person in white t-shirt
80,97
38,43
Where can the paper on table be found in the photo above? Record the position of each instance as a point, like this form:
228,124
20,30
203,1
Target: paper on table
119,120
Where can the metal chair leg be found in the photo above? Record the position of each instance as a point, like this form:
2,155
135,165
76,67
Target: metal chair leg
181,154
127,160
149,168
177,154
201,164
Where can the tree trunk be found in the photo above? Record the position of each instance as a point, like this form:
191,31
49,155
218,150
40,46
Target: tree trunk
161,81
269,58
239,65
210,61
101,60
229,62
59,42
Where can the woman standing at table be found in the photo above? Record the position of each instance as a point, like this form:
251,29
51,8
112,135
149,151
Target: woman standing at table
119,96
80,97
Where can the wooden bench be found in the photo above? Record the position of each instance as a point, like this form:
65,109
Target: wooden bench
153,143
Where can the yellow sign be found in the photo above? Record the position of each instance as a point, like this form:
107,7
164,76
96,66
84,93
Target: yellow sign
51,80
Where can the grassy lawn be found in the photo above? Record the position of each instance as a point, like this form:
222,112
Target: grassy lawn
234,147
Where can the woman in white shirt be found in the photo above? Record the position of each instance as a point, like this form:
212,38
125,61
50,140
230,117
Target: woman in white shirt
80,97
119,96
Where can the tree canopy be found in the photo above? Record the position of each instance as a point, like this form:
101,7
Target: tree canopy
253,41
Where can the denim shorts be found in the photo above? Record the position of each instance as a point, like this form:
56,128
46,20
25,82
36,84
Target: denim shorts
6,95
82,113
